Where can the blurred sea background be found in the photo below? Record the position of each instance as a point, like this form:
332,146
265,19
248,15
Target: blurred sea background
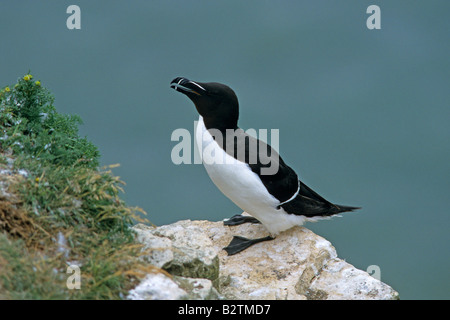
363,114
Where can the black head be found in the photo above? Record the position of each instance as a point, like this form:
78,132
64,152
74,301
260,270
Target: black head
215,102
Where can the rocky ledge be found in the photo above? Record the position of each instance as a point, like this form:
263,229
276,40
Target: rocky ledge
298,264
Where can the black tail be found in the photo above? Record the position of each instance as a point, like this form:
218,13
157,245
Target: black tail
340,208
346,208
309,203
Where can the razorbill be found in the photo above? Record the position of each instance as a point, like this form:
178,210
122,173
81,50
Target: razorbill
248,171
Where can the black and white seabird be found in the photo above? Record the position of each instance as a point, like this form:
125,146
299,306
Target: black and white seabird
278,200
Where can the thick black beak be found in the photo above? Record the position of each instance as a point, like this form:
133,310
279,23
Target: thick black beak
187,86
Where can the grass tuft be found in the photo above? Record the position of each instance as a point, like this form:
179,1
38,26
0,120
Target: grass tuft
57,208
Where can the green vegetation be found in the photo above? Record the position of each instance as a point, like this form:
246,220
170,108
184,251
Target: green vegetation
56,207
32,127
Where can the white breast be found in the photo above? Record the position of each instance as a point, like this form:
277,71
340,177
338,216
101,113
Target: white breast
241,185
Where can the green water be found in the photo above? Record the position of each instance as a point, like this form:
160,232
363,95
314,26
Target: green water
363,114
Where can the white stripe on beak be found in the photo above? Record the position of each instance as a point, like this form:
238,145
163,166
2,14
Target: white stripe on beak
197,85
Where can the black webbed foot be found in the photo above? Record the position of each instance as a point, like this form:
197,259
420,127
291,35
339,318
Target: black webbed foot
240,219
239,244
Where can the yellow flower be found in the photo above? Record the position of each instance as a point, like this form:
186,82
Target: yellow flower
38,83
7,89
37,179
27,77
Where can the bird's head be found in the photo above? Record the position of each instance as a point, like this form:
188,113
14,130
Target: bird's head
215,102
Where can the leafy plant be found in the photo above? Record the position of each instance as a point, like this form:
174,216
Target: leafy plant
57,207
32,127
